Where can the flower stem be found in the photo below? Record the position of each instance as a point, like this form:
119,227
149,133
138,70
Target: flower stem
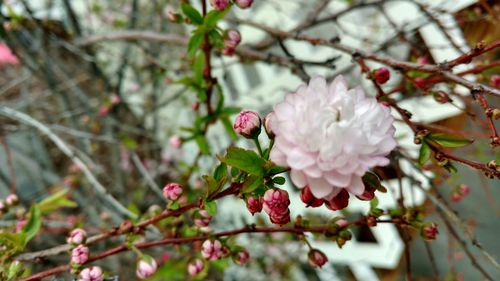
257,144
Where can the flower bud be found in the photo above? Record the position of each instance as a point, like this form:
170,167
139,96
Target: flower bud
146,267
276,201
115,99
421,83
455,197
280,218
254,204
203,219
212,250
495,81
441,97
79,255
382,75
195,267
219,4
422,60
232,39
464,189
175,142
170,13
77,237
338,202
308,198
429,231
241,257
11,200
243,4
268,126
172,191
247,124
195,106
317,258
93,273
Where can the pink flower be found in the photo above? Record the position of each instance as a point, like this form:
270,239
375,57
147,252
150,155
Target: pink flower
275,204
6,55
175,142
172,191
212,250
317,258
339,201
382,75
93,273
242,257
331,136
146,267
254,204
203,219
195,267
11,200
495,81
243,4
247,124
308,198
80,254
77,237
429,231
219,4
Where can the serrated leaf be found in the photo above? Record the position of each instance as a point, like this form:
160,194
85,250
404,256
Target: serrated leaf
33,225
449,140
211,207
279,180
56,201
192,14
195,43
251,183
245,160
424,154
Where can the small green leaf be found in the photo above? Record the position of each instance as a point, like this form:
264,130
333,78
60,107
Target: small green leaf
129,142
245,160
33,225
195,43
251,183
220,171
374,203
202,144
449,140
192,14
216,39
424,154
198,65
213,17
371,180
56,201
279,180
211,207
274,170
450,168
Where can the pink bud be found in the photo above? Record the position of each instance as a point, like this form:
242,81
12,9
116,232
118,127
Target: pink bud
195,267
170,14
172,191
232,38
382,75
242,257
429,231
146,267
175,142
421,83
422,60
203,219
455,197
495,81
254,204
212,250
276,201
115,99
219,4
93,273
243,4
247,124
80,254
268,125
77,237
103,110
308,198
342,223
280,218
195,106
11,200
6,55
464,189
339,202
317,258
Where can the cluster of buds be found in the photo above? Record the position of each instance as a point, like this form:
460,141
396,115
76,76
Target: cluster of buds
172,191
93,273
212,250
146,267
223,4
254,204
247,124
232,39
202,219
10,201
275,204
429,231
460,192
381,75
195,267
317,258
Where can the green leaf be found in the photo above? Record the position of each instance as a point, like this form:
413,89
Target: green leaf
15,242
213,17
33,225
272,169
374,203
424,154
229,127
211,207
251,183
198,65
449,140
245,160
192,14
129,142
372,180
195,43
450,168
216,39
220,171
279,180
202,144
56,201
